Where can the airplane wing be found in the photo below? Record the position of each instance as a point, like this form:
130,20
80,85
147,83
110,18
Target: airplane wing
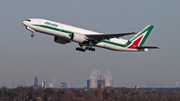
99,37
149,47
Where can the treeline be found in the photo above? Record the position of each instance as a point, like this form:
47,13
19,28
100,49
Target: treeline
106,94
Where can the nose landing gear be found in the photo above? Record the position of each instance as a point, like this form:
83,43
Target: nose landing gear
32,35
30,29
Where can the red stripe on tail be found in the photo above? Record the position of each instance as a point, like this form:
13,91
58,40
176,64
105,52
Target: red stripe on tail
136,42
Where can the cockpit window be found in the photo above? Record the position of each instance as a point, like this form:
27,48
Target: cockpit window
28,20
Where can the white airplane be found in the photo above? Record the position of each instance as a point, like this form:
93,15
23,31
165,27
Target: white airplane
64,34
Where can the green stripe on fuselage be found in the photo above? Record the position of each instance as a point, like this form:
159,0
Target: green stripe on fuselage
69,32
55,29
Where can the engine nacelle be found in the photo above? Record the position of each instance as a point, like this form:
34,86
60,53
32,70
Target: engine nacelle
80,38
61,40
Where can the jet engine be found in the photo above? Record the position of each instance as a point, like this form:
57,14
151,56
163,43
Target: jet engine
80,38
61,40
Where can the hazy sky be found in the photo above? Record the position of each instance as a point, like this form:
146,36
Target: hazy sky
22,57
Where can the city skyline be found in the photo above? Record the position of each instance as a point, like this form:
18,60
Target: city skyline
94,75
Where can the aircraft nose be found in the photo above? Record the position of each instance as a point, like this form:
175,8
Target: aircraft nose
24,22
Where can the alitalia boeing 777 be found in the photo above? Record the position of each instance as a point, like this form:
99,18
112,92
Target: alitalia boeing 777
64,34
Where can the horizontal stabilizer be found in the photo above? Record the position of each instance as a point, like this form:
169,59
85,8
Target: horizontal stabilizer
147,47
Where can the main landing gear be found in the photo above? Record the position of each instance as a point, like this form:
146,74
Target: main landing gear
90,48
80,49
86,48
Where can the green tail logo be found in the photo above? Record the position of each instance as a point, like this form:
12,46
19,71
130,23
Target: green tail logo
140,38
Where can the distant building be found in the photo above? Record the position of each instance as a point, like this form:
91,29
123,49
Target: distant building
43,84
36,85
65,85
101,82
105,82
91,83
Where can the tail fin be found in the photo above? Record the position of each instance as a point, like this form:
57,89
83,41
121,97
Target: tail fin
140,38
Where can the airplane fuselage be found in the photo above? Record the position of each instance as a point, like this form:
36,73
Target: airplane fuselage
64,32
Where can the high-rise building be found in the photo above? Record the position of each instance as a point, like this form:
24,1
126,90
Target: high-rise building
43,84
65,85
36,86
